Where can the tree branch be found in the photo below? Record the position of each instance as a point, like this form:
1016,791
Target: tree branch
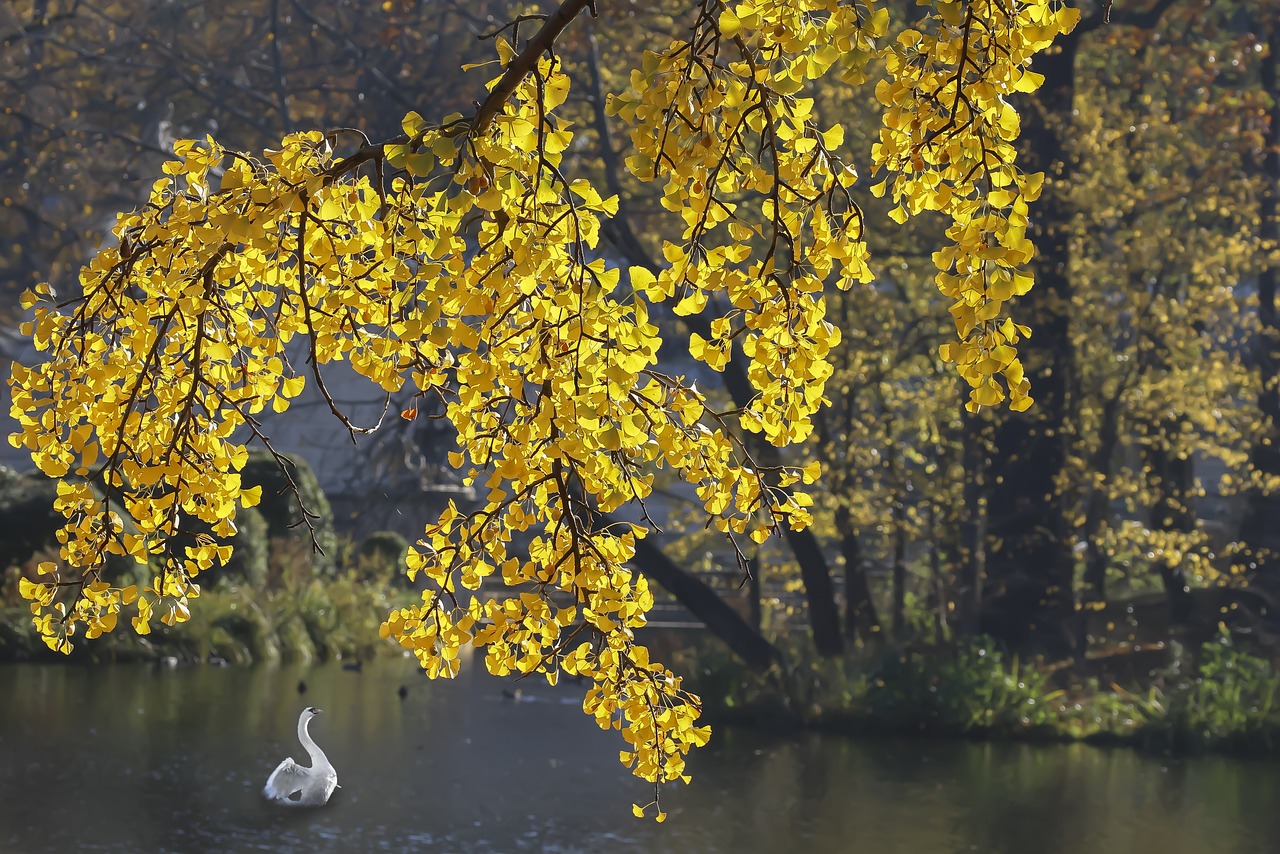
705,604
1145,19
527,60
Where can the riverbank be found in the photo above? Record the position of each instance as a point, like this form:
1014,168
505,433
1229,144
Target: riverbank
319,620
1218,698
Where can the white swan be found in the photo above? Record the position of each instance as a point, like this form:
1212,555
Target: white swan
293,785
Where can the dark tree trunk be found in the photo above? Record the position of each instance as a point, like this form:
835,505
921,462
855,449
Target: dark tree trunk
1097,512
1261,527
1174,480
1093,595
936,578
705,604
820,594
754,591
898,533
1030,566
860,619
976,462
899,574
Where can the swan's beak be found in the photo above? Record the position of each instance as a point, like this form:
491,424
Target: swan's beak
319,711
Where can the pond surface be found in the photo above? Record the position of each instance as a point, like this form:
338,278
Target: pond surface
125,758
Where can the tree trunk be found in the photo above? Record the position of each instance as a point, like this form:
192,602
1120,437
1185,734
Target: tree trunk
1030,566
973,534
860,619
1097,513
899,575
1174,480
1093,595
1260,530
936,577
754,591
820,594
705,604
898,533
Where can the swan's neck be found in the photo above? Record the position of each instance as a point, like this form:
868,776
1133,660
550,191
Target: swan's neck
318,759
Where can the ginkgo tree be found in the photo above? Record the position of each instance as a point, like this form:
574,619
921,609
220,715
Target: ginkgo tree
460,260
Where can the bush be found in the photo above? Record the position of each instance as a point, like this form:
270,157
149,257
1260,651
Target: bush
382,558
279,508
27,517
1228,702
251,547
967,689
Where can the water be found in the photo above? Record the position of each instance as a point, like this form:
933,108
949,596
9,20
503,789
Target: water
123,758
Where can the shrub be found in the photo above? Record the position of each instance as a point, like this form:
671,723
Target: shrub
251,548
279,507
381,558
1228,701
966,689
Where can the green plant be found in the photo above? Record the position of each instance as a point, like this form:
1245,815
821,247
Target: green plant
381,558
969,689
1228,701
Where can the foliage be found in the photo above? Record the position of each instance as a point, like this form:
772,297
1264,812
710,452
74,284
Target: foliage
967,689
460,259
320,620
970,689
1225,701
1169,384
1230,700
251,556
97,92
294,506
383,555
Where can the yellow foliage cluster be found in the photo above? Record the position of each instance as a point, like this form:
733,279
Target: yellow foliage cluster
459,259
720,120
948,138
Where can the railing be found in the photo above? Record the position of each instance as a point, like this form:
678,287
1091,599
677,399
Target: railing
668,613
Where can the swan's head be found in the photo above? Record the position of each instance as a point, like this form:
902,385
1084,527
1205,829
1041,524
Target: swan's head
310,712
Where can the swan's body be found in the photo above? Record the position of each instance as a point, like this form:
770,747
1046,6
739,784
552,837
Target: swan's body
293,785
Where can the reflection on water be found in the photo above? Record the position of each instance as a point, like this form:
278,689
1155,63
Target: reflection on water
126,758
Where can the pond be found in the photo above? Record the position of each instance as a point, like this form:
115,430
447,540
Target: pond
132,758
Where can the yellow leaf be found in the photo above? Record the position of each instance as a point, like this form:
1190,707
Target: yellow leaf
292,386
987,394
413,124
1028,81
729,25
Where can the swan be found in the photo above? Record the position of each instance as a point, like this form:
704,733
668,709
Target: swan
293,785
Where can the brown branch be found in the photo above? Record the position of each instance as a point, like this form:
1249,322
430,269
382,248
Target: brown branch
1146,19
526,61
